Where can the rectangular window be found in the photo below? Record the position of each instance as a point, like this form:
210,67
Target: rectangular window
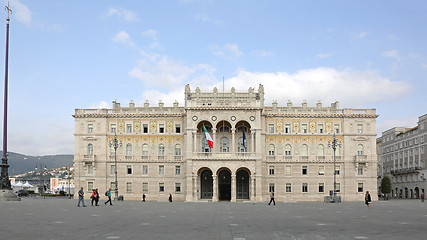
161,187
177,187
271,187
112,169
336,128
320,128
337,170
161,128
304,170
177,170
144,128
144,169
288,170
145,187
90,169
128,187
360,187
321,170
360,169
270,128
321,187
288,187
113,128
338,187
90,128
304,128
305,187
128,128
287,128
89,186
177,128
271,170
359,128
113,186
129,169
161,170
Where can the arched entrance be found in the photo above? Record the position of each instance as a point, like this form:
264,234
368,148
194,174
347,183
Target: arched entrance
206,183
242,184
417,193
224,185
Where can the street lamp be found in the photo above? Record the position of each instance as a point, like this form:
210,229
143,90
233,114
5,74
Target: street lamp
334,145
41,180
115,144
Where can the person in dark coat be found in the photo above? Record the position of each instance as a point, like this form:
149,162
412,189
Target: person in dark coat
143,197
170,197
272,198
367,199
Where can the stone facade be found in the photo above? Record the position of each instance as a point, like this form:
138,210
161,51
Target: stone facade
257,149
403,158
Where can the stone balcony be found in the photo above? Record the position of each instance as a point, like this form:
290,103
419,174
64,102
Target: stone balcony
405,171
224,156
361,159
88,159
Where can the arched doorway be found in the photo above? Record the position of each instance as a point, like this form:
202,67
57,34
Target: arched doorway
224,185
417,193
242,184
206,184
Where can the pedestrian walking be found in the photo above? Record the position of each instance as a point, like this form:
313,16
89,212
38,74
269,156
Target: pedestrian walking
81,197
422,196
170,197
367,199
93,197
96,197
272,198
108,194
143,197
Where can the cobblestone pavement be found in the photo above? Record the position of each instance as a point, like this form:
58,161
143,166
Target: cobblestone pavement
36,218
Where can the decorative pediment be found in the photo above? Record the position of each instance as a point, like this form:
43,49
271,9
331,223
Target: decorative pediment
360,139
90,138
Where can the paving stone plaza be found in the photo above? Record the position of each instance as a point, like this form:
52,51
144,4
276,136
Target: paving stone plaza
36,218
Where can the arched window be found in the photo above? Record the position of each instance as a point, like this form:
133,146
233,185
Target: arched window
338,150
161,150
320,150
145,150
288,150
271,149
129,149
304,150
90,149
360,149
242,147
224,129
178,150
224,145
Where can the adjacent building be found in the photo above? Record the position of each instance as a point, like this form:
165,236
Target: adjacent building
403,158
256,149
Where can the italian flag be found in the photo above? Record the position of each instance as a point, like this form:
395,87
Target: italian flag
208,137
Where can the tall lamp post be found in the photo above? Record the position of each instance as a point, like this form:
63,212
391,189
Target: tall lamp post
115,144
334,145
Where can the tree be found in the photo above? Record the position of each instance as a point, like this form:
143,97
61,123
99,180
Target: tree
386,185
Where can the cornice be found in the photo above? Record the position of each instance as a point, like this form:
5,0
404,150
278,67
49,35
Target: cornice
129,115
318,115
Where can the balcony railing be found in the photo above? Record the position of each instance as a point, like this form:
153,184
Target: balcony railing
406,171
224,155
88,158
361,158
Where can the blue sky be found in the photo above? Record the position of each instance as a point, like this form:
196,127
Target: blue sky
85,54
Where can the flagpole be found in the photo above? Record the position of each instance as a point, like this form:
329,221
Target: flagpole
223,102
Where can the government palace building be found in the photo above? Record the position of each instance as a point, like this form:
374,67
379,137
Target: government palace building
256,149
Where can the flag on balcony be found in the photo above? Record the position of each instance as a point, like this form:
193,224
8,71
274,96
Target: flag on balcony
244,137
208,137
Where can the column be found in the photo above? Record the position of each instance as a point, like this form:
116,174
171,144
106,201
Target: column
233,133
194,141
252,141
196,188
252,194
214,189
214,140
233,188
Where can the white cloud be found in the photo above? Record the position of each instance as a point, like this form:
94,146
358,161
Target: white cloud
123,38
21,12
99,105
324,55
158,70
391,54
206,18
384,125
424,65
362,35
152,34
227,51
261,53
124,14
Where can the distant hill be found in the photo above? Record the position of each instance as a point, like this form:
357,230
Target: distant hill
19,163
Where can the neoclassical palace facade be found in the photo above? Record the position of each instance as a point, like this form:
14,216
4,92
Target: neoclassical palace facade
257,149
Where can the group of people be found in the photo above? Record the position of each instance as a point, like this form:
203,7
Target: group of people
95,197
